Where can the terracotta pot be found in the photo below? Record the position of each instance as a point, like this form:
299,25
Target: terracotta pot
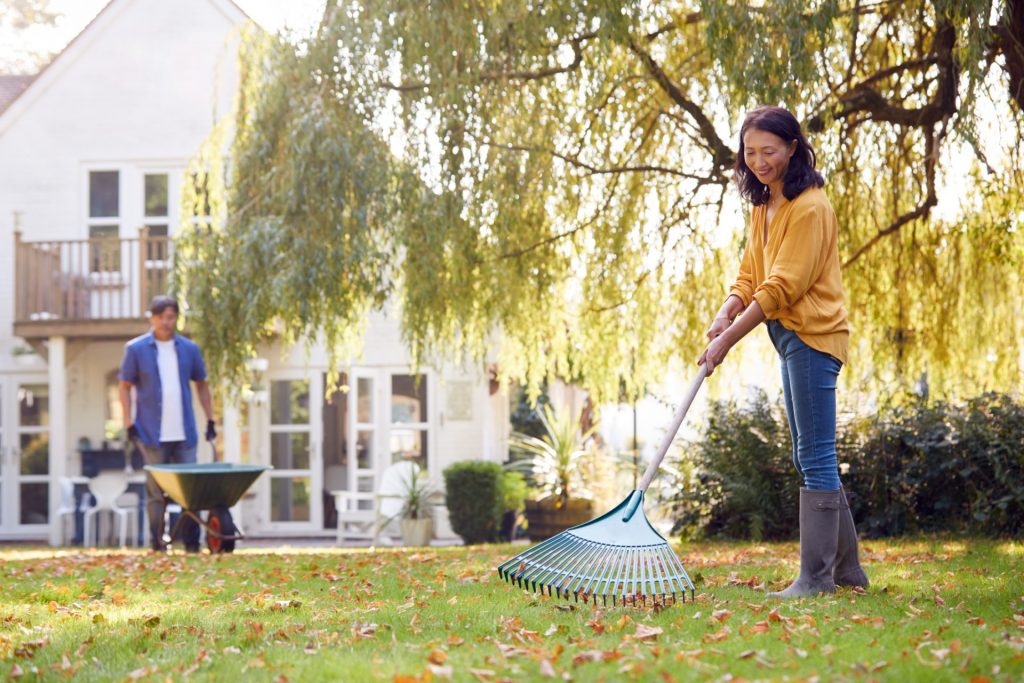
417,532
547,519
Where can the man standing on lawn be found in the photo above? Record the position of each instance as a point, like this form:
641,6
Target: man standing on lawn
159,365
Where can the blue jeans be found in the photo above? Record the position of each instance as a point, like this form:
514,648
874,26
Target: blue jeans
809,386
169,452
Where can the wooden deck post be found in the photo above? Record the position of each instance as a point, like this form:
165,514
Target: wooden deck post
143,284
19,283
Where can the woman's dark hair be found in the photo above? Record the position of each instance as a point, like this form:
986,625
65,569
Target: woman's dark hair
161,303
800,173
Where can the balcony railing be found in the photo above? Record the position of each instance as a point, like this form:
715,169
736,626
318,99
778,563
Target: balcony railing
77,281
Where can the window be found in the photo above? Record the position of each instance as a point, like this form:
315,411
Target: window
104,194
156,217
104,221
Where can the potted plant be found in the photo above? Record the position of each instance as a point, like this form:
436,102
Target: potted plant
24,355
554,462
416,523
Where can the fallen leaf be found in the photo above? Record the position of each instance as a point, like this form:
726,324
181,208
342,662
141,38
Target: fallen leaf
644,632
546,669
440,671
438,657
720,635
721,615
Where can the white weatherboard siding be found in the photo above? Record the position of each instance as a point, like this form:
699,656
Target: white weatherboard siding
137,92
137,89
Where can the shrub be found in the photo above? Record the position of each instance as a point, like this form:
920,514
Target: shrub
475,496
516,491
738,481
938,467
919,467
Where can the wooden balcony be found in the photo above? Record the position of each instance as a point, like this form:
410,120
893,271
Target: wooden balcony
92,288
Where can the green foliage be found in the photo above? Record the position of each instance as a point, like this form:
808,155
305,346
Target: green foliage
740,480
515,491
476,499
415,493
555,176
922,467
554,460
936,466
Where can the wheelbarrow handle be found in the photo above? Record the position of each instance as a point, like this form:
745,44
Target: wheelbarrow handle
677,421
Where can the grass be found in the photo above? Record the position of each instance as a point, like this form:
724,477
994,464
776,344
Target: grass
939,609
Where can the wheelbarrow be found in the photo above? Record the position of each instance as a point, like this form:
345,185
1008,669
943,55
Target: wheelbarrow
215,487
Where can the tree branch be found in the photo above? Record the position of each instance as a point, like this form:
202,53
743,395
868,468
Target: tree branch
722,156
577,50
864,98
931,159
596,170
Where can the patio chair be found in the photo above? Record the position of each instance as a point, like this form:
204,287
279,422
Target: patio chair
105,488
370,515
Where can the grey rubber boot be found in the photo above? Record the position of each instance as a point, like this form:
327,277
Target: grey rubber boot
819,535
847,571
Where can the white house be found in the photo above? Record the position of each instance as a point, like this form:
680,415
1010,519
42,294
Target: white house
93,152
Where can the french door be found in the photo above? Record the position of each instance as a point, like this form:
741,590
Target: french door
24,456
292,491
386,418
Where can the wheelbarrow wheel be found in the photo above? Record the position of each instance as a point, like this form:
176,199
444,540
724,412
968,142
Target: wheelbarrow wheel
219,522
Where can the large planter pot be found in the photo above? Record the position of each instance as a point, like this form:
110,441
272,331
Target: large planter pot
546,518
417,532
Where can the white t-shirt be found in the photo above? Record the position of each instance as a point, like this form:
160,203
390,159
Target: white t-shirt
172,420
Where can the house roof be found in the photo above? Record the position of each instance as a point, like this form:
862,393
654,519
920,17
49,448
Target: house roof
11,86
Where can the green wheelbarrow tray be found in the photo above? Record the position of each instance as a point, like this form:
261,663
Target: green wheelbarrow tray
212,486
205,486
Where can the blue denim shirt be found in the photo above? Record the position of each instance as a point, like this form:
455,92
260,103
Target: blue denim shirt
139,367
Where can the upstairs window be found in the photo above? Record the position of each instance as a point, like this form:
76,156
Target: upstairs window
104,221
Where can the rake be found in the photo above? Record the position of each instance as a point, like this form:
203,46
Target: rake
618,556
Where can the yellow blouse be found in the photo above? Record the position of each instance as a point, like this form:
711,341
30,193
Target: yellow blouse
795,275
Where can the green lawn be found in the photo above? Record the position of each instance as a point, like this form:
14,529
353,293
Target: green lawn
939,609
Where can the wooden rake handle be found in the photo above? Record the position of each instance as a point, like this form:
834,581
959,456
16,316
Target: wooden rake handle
677,421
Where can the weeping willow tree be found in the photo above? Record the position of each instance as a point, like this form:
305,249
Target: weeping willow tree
553,179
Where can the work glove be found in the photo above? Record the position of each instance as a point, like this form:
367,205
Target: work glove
211,430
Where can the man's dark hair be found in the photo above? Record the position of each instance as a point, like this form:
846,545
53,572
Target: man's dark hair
161,303
800,173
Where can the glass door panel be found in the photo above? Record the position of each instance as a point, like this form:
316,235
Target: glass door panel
407,433
363,468
294,483
33,460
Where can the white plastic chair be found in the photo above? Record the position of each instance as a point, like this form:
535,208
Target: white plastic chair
129,502
106,487
367,515
67,508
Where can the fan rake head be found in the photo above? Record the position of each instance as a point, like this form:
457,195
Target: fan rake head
618,557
